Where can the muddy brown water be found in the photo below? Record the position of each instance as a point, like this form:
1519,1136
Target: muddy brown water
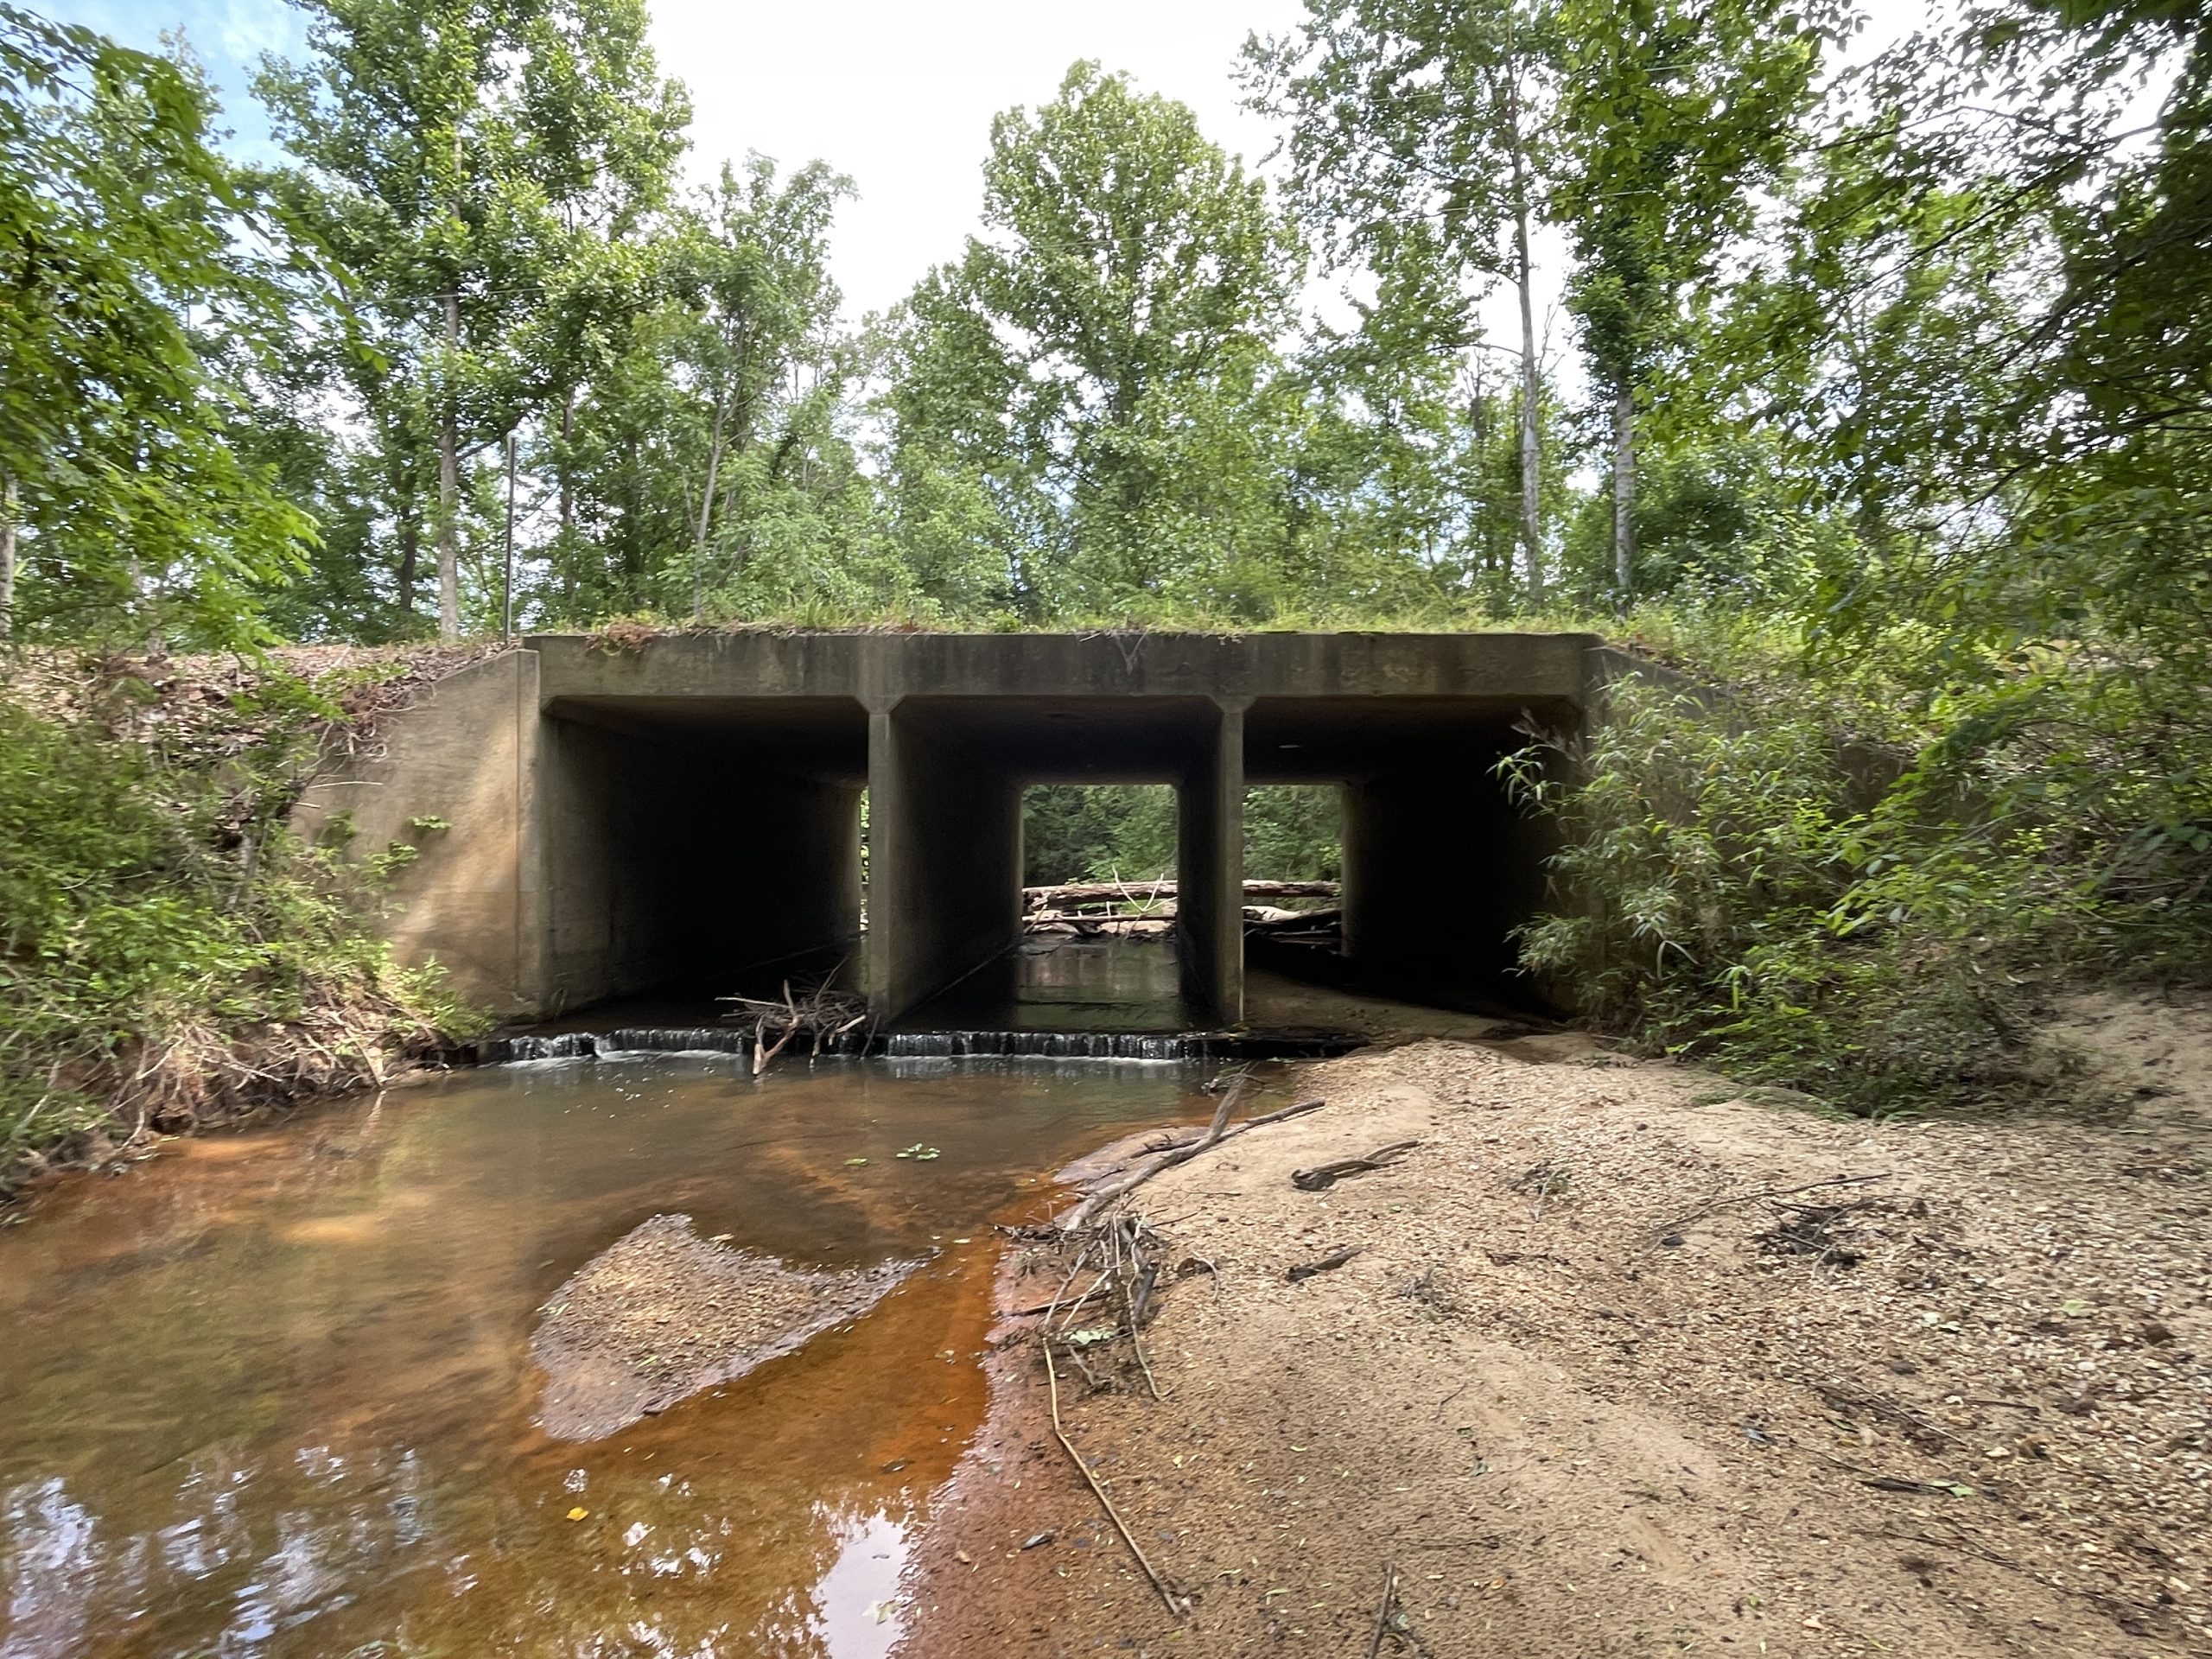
271,1394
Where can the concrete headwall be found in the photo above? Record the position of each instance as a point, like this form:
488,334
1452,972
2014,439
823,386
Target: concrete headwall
688,812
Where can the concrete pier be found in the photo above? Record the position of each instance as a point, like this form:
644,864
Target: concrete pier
687,813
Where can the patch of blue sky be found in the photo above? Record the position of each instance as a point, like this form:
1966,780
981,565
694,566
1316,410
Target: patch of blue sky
229,39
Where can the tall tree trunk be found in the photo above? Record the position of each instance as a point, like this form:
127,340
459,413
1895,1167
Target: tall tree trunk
706,513
566,465
410,556
405,525
450,484
1532,467
11,504
1624,488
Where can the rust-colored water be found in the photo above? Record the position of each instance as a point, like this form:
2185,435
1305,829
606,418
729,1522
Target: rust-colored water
270,1394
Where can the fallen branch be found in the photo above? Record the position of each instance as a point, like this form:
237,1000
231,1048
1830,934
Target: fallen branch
1731,1199
1127,1284
822,1014
1049,1308
1138,892
1322,1177
1275,1116
1259,1122
1383,1613
1092,1206
762,1055
1846,1398
1052,1383
1898,1484
1333,1260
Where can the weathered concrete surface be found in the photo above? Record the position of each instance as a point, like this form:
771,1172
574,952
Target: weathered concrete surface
690,810
466,753
1210,869
944,827
879,669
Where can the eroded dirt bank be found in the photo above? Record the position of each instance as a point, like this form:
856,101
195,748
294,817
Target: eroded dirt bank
1588,1395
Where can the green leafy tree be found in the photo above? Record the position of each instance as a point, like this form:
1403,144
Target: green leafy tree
2032,423
707,466
1415,153
1088,389
759,356
130,302
465,166
1672,118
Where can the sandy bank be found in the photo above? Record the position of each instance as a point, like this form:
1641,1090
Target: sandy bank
1589,1395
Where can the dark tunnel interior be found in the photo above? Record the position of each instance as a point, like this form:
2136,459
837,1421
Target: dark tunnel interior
702,846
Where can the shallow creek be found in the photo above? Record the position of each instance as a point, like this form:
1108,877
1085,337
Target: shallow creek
271,1392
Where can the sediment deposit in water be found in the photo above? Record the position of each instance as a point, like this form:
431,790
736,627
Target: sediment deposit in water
662,1313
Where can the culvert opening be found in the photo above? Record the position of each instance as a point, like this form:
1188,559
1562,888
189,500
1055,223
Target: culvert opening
697,847
958,786
1293,878
1096,951
1437,867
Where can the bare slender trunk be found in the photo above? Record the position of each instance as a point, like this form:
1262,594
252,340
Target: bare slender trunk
507,587
706,513
408,527
568,476
11,504
1532,520
410,556
450,484
1624,488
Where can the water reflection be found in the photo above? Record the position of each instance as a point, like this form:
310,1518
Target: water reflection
271,1394
1060,982
856,1609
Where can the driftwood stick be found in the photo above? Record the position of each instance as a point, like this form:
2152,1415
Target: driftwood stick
1088,1211
1052,1383
1091,1207
1128,1282
1074,1267
1729,1200
1115,892
1275,1116
1383,1613
1324,1177
1102,1286
761,1057
1050,1308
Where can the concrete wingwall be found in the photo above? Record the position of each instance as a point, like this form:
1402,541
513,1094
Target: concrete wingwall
464,754
688,813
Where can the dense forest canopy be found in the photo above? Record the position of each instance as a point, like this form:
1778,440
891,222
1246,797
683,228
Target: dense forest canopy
1883,403
1917,335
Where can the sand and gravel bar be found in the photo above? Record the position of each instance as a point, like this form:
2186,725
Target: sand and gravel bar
662,1313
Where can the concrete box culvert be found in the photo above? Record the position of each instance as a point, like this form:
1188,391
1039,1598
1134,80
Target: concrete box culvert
685,814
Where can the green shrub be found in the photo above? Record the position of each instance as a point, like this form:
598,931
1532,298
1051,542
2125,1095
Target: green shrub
1820,879
169,951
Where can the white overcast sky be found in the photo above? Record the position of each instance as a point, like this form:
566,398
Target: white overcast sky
898,94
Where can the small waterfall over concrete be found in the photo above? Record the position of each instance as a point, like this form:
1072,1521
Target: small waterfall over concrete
913,1045
1042,1045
